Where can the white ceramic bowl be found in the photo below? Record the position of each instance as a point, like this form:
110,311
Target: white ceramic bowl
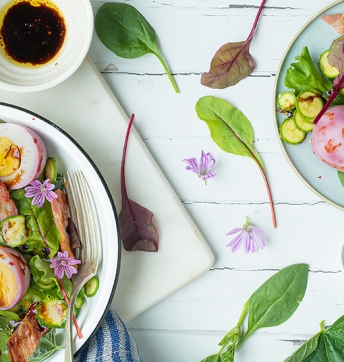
70,156
78,17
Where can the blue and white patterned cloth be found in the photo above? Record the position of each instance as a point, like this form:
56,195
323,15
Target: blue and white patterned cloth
111,343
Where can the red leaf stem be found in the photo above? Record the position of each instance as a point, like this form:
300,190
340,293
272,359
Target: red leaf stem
250,36
272,208
336,90
78,330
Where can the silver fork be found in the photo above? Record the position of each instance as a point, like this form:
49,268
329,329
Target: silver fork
83,215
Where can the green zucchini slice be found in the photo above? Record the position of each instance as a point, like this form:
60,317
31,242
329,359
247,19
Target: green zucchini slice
326,69
309,104
290,133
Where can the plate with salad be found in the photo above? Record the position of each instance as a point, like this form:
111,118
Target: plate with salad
39,241
309,104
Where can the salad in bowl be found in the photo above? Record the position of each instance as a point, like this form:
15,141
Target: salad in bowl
38,244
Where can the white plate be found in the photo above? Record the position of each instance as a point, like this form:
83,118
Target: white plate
71,156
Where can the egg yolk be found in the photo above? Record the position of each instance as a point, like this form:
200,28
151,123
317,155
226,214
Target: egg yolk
8,286
9,157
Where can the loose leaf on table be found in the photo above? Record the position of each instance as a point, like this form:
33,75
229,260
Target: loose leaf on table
136,225
232,62
326,346
270,305
124,30
232,132
278,298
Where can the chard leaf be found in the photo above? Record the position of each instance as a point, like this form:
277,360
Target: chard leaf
229,127
136,222
47,346
277,299
336,54
43,233
303,75
232,132
232,62
123,30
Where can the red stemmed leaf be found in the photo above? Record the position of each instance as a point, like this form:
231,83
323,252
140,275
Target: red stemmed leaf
232,62
136,226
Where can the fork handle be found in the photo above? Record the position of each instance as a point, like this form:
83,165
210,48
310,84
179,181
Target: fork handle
69,356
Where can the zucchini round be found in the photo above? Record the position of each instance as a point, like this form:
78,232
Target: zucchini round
301,123
286,101
326,69
290,133
309,104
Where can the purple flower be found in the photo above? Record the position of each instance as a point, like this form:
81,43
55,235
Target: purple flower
63,264
202,169
40,192
249,236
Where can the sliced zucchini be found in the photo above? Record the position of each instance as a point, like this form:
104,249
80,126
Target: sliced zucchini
52,313
92,286
286,101
326,69
13,230
51,169
309,104
301,123
290,133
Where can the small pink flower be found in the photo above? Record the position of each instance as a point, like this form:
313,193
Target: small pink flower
40,192
249,236
63,264
202,169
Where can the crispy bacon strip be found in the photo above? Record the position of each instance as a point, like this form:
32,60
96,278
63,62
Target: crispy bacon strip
336,21
25,339
7,206
60,212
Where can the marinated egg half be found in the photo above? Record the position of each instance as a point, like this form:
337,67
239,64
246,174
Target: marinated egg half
22,155
14,277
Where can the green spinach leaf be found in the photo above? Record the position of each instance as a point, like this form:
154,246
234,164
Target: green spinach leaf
123,30
277,299
270,305
303,75
232,132
326,346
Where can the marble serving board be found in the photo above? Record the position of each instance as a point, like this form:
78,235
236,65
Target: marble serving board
85,107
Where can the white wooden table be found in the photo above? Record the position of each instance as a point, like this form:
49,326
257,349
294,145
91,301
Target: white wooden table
188,325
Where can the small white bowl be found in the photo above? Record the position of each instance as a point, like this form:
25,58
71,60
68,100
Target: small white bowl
78,17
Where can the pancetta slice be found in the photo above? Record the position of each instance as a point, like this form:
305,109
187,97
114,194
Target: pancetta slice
336,21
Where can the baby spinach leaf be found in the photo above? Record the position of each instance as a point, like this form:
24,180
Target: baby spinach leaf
303,75
277,299
123,30
136,222
232,132
232,62
271,304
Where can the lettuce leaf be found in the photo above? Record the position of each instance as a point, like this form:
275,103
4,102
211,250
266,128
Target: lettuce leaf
6,330
44,237
303,75
40,270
